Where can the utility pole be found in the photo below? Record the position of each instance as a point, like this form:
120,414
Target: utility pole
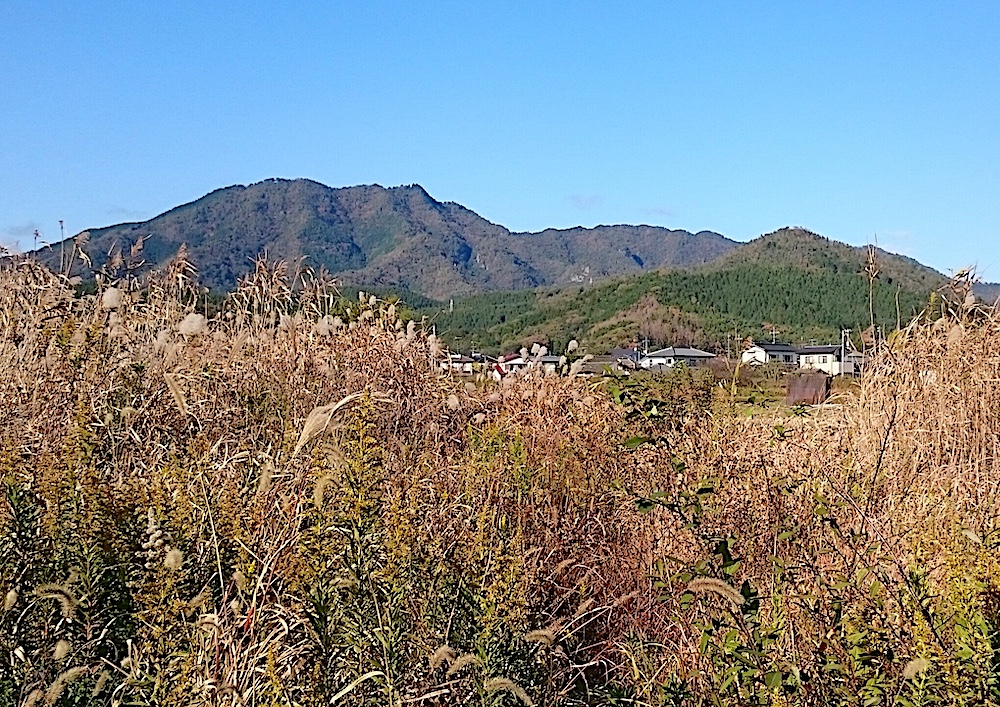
845,338
62,245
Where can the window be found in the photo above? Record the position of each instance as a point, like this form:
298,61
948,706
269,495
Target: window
823,359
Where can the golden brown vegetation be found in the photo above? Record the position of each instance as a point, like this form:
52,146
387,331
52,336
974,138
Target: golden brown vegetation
287,504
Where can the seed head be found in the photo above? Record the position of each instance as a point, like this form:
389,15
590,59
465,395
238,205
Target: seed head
462,662
507,685
62,649
711,585
444,654
174,559
915,667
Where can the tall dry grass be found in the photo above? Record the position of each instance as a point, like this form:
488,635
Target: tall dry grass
287,503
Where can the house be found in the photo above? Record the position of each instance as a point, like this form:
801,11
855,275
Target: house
760,354
512,363
832,359
627,358
458,363
549,365
672,355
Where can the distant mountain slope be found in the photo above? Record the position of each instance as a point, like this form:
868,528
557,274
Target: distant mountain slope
581,255
989,292
805,286
397,237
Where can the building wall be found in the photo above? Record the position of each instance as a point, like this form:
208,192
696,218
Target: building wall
827,363
831,366
756,355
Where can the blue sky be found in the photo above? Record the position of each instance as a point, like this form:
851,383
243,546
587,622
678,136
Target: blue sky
856,120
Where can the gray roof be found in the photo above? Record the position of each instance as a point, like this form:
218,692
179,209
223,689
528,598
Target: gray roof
829,349
776,348
624,353
679,352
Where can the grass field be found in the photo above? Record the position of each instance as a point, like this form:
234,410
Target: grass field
287,504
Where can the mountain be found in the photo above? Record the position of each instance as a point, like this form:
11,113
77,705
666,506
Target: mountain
392,238
988,292
605,286
798,283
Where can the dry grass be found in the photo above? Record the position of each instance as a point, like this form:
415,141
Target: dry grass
288,504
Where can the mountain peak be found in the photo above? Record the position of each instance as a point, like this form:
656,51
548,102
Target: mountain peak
398,237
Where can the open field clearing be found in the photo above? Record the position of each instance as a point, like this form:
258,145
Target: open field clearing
288,504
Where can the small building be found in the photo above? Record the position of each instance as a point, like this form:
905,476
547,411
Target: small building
627,356
807,388
760,354
549,365
458,363
512,363
831,359
673,355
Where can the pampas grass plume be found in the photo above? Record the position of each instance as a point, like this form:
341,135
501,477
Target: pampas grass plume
319,419
192,324
174,559
112,298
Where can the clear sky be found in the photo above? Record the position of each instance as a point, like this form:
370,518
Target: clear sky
857,120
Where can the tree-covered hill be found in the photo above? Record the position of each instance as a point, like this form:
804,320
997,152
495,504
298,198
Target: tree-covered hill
802,285
397,238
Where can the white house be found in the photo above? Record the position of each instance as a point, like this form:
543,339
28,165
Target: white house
672,355
548,365
834,360
759,354
457,363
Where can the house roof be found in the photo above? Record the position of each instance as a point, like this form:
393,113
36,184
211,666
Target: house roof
679,352
828,349
775,348
632,354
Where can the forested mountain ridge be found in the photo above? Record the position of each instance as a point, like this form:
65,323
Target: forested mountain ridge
398,237
607,285
796,283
